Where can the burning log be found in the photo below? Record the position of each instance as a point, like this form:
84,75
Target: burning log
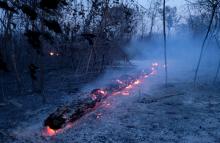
69,114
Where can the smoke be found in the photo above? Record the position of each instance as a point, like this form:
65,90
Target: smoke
183,52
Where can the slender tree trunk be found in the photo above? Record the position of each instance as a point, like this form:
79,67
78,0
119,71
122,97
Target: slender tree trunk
42,68
10,44
18,77
89,60
151,26
165,41
204,41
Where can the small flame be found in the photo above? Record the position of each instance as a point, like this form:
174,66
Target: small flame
49,132
116,93
54,54
51,53
137,82
125,93
102,91
129,86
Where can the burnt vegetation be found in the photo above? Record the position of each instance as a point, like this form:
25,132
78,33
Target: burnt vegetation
86,35
54,45
82,36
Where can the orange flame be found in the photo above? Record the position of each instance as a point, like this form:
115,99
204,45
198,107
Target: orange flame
126,92
129,86
49,132
137,82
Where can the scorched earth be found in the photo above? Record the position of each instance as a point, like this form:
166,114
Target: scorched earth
152,113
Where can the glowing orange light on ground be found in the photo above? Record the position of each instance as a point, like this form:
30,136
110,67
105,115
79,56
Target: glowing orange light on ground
129,87
137,82
125,91
102,92
51,53
116,93
49,132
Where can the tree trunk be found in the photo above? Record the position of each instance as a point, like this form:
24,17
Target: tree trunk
204,41
165,40
42,76
89,60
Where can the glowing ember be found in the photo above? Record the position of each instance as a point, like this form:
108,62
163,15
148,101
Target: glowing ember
102,92
54,54
122,86
49,132
129,86
98,92
51,53
116,93
126,93
137,82
94,97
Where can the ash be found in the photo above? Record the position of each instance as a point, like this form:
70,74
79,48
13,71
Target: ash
181,112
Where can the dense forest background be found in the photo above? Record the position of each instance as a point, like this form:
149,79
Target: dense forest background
83,38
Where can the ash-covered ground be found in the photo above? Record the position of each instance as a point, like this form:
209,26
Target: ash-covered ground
180,113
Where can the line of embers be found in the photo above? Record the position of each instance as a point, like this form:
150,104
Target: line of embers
66,115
